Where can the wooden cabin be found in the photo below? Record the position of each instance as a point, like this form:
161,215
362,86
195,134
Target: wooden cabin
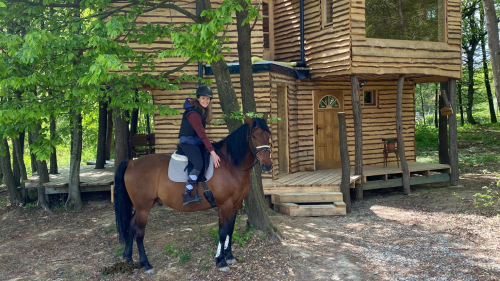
330,40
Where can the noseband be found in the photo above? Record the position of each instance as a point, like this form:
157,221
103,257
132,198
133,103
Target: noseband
256,149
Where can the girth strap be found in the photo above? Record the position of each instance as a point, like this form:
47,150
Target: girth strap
208,195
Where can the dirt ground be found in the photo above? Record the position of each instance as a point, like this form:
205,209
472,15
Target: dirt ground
433,234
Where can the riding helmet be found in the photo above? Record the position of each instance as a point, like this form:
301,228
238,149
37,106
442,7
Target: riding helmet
204,91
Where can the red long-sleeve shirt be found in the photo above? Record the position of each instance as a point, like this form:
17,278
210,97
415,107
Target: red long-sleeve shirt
195,121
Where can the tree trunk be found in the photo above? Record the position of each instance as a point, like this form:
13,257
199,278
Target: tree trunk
74,197
15,168
121,136
101,135
399,131
257,208
346,162
470,91
133,121
436,108
493,116
109,134
43,176
493,43
462,121
358,135
53,154
422,102
19,155
453,135
15,197
444,157
34,167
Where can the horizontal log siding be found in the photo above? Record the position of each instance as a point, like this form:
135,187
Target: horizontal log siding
167,127
293,112
327,49
393,57
378,122
168,16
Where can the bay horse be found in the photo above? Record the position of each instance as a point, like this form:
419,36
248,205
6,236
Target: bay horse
143,182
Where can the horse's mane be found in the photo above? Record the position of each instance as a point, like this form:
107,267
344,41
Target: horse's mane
237,141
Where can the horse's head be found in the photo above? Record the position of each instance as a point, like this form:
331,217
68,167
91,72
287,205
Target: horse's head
259,141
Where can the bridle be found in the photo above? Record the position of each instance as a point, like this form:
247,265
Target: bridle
255,150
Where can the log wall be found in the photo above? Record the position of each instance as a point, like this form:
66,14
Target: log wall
167,127
378,121
393,57
169,16
327,48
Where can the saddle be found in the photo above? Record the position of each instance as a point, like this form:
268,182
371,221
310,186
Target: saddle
180,167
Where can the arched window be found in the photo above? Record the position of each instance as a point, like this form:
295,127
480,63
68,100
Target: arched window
329,102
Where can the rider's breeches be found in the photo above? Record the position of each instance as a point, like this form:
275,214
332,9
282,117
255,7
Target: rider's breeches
193,153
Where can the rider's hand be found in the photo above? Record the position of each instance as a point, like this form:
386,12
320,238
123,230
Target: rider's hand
215,158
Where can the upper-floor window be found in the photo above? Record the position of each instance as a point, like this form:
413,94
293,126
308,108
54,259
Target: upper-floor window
419,20
268,29
327,7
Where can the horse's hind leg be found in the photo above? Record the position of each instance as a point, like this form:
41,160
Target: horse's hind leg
141,219
129,243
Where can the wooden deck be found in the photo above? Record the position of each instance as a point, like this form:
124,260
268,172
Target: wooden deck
91,179
374,177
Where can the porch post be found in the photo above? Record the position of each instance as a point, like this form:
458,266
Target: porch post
444,157
399,130
452,120
346,162
358,135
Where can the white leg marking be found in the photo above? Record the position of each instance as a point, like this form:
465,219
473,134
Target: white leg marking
226,244
218,250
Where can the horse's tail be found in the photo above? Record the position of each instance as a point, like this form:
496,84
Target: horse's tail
123,204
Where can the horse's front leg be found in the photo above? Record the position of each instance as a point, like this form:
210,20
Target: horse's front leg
223,257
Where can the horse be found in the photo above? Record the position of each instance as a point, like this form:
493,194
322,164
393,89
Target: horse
143,182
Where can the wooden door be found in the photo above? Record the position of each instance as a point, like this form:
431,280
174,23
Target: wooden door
326,128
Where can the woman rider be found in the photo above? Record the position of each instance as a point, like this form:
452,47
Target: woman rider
192,136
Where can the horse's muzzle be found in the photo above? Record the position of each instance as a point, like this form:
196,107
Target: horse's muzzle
267,168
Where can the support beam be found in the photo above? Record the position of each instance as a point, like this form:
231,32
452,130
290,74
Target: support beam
346,162
358,135
452,119
444,157
399,130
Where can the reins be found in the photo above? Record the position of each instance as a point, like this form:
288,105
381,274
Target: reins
255,150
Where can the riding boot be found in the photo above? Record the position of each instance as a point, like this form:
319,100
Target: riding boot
187,198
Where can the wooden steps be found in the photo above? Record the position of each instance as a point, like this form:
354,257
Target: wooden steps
309,203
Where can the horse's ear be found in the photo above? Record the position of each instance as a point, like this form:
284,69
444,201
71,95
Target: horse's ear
266,115
249,121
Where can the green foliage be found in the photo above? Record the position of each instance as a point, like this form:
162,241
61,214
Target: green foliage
184,254
30,205
119,250
109,229
426,137
4,201
489,198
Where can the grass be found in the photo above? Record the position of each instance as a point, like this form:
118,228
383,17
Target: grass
183,254
478,146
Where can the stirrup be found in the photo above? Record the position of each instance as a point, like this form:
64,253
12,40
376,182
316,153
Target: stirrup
187,199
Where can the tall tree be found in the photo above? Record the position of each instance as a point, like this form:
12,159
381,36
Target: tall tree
14,194
459,89
470,40
53,152
74,200
486,71
493,43
257,209
101,135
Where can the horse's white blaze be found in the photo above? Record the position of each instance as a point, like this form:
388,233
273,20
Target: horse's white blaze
218,250
226,244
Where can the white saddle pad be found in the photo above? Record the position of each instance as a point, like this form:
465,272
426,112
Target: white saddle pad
177,166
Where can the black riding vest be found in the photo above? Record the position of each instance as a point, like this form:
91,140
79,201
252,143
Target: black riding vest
186,128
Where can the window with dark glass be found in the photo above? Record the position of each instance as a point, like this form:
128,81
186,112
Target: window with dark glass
265,23
328,102
369,98
328,11
419,20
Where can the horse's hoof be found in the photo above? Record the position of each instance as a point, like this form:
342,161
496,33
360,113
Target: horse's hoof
151,271
224,269
231,261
